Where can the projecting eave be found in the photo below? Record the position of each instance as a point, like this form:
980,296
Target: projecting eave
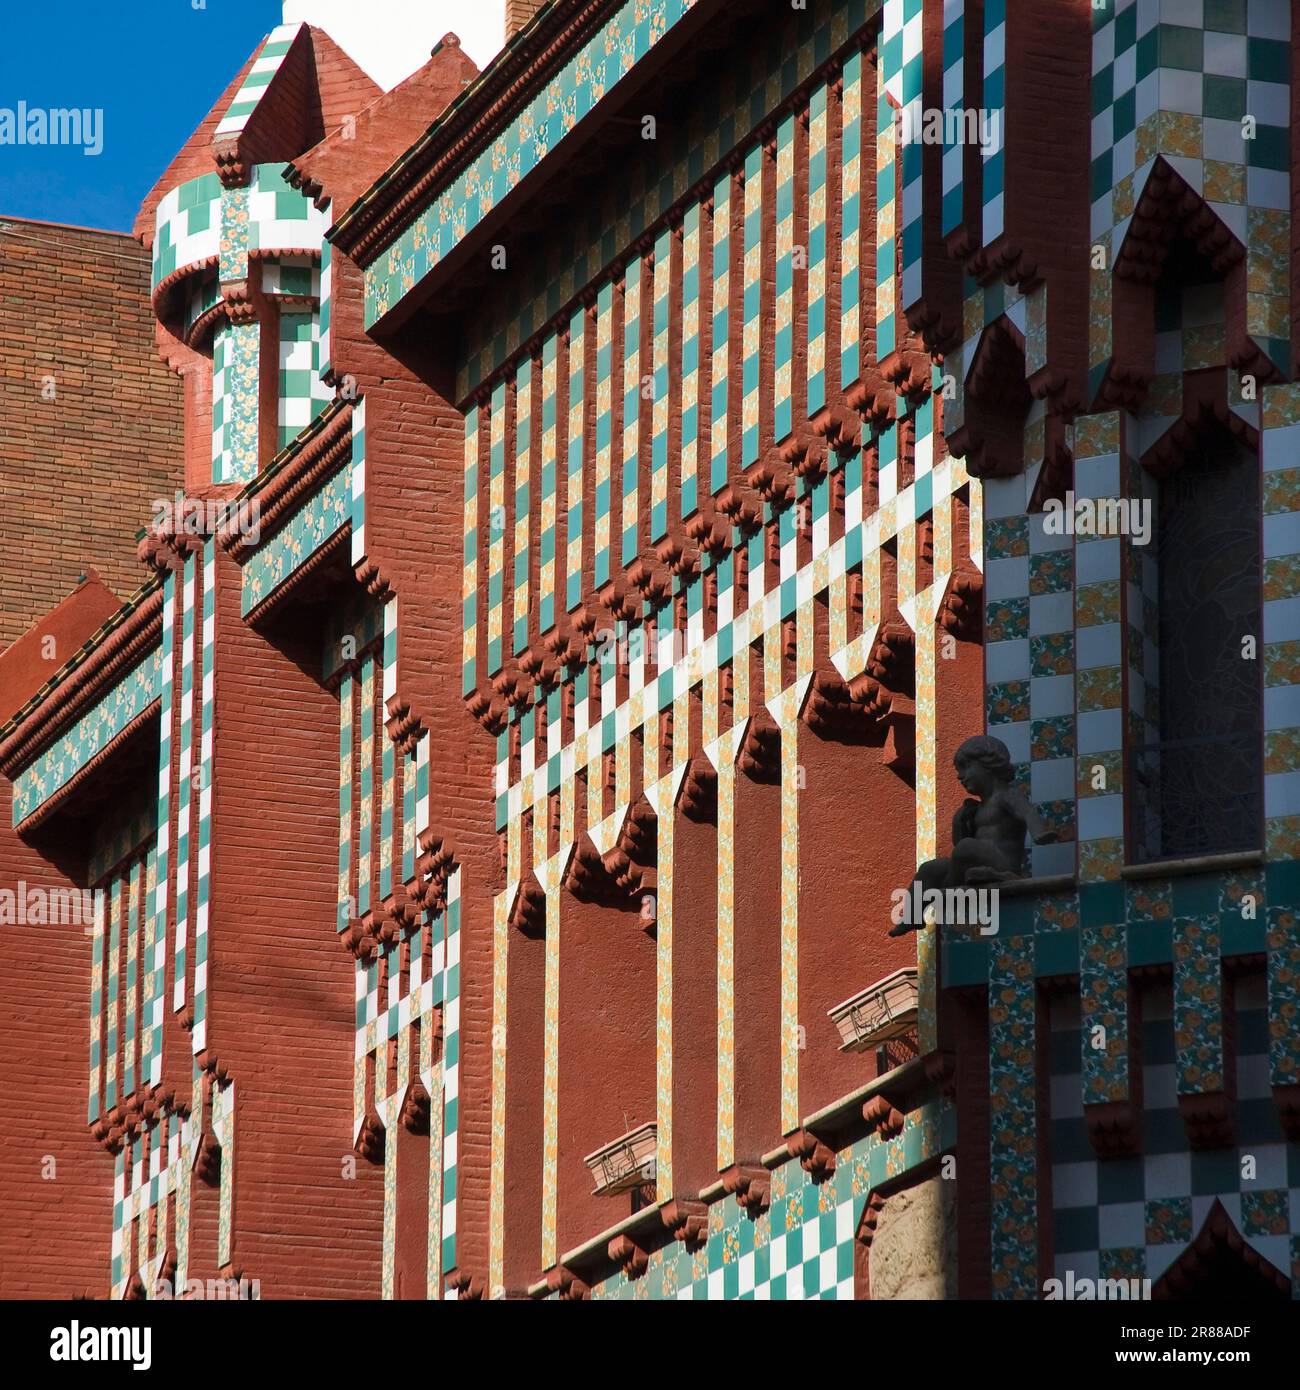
463,127
88,675
530,117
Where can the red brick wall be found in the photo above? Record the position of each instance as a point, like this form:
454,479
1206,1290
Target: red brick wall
56,1182
281,1000
80,470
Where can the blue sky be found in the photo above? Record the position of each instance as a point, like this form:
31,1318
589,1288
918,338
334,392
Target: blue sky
155,68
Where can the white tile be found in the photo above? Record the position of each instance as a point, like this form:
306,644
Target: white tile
1120,1224
1007,661
1084,1263
1101,817
1267,19
1101,731
1041,540
1016,738
1050,696
1265,188
1159,1258
1160,1089
1125,72
1282,706
1268,102
1101,645
1096,561
1052,780
1067,1097
1221,140
1180,91
1225,56
1270,1162
1188,12
1282,794
1166,1175
1097,477
1282,620
1046,861
1051,613
1006,578
1074,1185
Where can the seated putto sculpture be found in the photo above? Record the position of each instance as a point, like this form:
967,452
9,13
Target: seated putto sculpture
988,832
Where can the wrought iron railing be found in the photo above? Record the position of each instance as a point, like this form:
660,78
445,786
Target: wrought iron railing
1196,796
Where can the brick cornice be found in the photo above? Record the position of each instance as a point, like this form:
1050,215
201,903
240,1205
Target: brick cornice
85,678
388,207
314,456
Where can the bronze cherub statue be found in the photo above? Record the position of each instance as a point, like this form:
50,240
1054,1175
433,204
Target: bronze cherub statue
988,832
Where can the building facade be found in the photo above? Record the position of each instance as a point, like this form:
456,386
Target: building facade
615,484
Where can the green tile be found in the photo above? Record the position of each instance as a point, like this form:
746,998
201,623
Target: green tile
1125,29
1270,149
1070,1142
1125,118
1075,1228
1215,1171
1226,16
1282,881
1196,895
1056,953
1101,904
1223,98
1181,47
1103,89
1163,1132
1238,937
1120,1180
1268,60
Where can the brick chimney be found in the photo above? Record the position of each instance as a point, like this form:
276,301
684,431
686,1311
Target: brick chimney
518,13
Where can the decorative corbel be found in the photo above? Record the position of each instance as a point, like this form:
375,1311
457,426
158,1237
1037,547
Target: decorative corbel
1114,1128
371,1138
751,1185
416,1108
884,1119
815,1157
566,1284
629,1256
688,1220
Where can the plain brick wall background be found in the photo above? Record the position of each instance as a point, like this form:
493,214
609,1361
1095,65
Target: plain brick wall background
78,473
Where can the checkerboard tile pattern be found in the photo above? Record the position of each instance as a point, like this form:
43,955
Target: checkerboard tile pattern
302,396
187,226
1030,658
803,1247
1176,80
265,66
1133,1217
1280,440
55,767
236,367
